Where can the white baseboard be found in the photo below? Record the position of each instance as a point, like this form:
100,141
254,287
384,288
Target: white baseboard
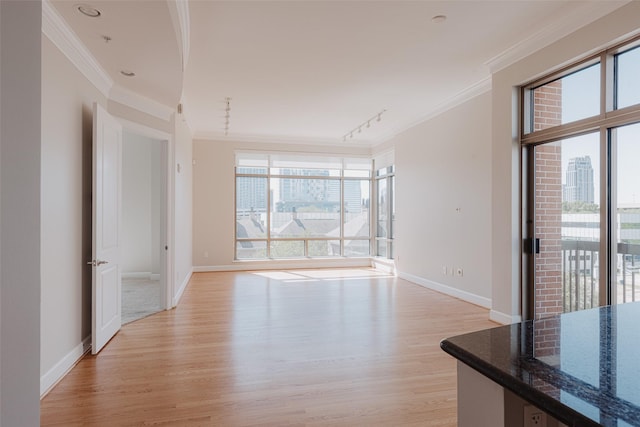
385,265
181,289
154,276
55,374
286,264
447,290
504,319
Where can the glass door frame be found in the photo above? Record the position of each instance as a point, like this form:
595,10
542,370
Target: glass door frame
530,241
604,124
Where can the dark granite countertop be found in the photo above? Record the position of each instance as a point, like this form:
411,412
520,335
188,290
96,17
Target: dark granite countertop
582,368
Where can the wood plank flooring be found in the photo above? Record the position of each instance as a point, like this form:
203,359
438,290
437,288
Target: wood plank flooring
347,347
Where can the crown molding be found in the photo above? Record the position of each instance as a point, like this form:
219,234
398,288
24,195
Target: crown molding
586,13
179,11
467,94
185,29
56,30
141,103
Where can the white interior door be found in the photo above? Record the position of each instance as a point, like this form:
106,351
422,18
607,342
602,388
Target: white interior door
106,287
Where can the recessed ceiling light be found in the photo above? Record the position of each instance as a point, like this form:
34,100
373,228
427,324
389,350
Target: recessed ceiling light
88,10
128,73
439,19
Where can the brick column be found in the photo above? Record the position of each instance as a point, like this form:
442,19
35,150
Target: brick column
548,204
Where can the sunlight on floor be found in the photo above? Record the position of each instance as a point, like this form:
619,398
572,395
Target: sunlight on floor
321,274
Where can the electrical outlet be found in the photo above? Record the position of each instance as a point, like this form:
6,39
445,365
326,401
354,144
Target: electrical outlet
534,417
459,272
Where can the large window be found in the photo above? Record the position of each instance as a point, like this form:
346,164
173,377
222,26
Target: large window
302,206
581,218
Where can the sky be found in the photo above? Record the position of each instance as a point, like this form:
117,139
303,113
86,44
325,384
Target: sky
580,99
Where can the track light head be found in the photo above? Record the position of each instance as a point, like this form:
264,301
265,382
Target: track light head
366,124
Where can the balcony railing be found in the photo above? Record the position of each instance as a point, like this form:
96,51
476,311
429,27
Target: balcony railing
580,267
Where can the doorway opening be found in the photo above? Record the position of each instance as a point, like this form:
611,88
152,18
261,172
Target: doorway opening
143,219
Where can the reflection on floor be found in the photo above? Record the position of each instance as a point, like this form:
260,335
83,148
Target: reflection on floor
316,348
140,298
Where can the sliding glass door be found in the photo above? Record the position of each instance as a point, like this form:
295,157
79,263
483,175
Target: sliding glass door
566,225
581,185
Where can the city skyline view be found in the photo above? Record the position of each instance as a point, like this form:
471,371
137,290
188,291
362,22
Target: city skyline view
294,212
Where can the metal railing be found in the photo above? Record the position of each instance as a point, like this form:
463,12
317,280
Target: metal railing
580,272
579,275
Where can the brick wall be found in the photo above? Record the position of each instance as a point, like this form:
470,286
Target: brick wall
548,160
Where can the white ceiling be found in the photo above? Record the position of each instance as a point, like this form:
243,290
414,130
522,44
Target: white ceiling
311,71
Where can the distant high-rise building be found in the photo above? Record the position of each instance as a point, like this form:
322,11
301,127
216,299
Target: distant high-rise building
578,185
352,196
294,191
321,193
251,193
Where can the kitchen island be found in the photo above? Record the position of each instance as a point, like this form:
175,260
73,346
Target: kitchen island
576,369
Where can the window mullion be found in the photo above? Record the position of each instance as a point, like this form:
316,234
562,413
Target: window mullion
610,119
608,218
268,230
390,197
342,217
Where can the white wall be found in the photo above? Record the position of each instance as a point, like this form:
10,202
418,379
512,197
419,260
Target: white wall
505,191
184,201
20,189
213,201
67,102
443,202
140,204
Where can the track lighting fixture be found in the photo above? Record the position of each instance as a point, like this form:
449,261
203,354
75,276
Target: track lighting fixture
227,115
366,124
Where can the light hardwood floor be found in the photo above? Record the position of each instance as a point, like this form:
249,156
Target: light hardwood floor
296,348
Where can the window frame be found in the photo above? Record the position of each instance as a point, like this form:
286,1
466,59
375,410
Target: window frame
306,240
608,119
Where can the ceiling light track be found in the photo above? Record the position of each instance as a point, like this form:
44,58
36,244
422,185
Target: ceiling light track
364,125
227,115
